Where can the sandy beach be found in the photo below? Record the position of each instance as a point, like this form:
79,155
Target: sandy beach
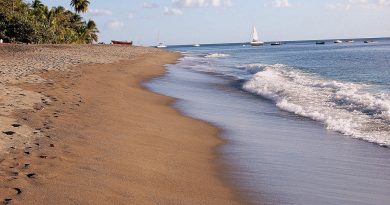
77,127
192,102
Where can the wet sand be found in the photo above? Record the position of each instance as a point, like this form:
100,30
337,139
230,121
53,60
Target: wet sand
103,139
277,157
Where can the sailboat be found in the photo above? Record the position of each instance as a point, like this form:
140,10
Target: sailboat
255,38
160,45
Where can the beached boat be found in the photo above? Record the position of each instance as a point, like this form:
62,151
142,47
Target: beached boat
369,41
349,41
338,41
255,38
196,45
320,42
122,42
161,45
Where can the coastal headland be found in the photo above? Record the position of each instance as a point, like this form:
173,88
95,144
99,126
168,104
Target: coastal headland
77,127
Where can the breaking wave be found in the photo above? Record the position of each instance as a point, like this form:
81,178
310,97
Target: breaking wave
255,67
349,108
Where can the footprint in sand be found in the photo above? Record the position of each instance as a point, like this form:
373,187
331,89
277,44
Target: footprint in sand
14,174
56,114
18,191
9,132
31,175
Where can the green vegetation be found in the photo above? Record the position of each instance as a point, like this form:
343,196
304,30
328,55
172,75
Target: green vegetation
36,23
80,5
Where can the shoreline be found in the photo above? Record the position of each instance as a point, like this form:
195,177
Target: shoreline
154,154
278,157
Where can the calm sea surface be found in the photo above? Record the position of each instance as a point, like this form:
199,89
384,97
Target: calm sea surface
305,123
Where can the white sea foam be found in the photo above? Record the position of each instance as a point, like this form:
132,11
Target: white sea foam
348,108
217,55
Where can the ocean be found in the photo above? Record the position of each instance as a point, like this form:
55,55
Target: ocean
304,123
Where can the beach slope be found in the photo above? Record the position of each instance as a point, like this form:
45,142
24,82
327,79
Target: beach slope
107,140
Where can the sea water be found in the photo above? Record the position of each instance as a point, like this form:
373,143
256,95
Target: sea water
304,123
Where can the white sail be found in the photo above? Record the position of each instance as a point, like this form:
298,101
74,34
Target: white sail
255,36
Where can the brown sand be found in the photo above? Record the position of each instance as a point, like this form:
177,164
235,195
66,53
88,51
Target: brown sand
108,141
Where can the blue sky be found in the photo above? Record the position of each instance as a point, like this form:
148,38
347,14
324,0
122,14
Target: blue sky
217,21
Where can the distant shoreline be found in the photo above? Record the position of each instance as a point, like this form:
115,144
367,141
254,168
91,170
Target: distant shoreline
283,41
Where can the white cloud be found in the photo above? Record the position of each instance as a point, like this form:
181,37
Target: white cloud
384,3
281,4
115,24
99,12
364,4
339,6
150,5
172,11
130,15
201,3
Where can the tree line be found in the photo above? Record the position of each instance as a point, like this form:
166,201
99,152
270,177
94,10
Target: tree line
36,23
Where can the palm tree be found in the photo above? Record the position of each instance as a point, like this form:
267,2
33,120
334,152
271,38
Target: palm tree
36,4
21,21
89,33
80,6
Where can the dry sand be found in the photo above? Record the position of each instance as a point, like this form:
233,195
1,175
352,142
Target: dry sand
91,134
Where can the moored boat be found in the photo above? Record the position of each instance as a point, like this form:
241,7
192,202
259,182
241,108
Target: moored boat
338,41
255,38
161,45
320,42
276,44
